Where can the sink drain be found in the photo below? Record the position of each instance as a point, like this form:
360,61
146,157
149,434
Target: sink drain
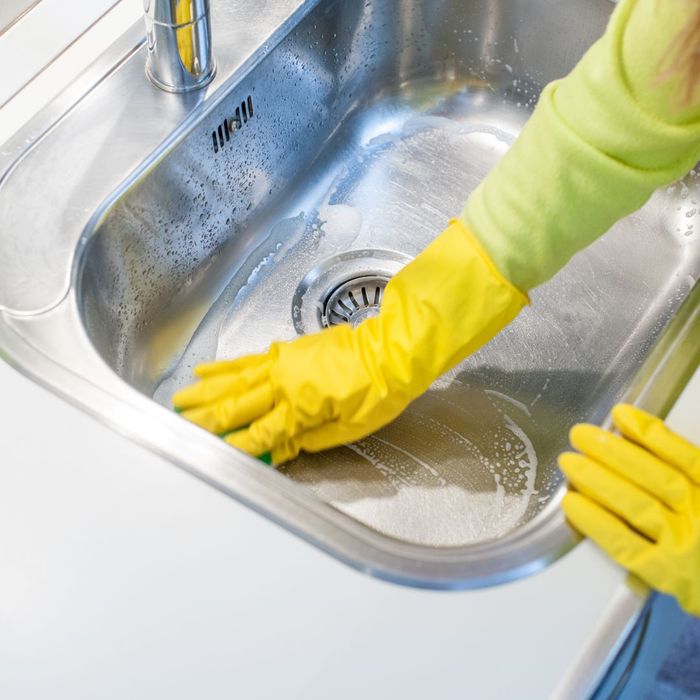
347,288
354,301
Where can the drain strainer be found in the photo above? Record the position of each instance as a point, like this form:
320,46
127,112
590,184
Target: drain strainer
354,300
347,288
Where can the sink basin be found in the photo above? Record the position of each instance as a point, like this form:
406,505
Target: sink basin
333,146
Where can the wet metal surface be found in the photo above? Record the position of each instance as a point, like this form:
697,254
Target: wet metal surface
378,155
338,148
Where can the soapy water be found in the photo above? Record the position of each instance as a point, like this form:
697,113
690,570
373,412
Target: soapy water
683,215
458,466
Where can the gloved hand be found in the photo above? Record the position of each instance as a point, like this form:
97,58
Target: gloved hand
339,385
638,497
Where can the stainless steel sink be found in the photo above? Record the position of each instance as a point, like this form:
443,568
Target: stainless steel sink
144,232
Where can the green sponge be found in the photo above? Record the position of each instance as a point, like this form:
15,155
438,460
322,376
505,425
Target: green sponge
264,458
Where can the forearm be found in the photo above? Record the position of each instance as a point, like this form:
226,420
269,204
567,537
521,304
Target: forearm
600,142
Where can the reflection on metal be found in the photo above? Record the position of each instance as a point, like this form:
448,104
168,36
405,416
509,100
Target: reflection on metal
148,254
179,44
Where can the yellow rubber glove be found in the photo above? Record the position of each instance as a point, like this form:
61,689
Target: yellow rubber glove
339,385
638,497
599,143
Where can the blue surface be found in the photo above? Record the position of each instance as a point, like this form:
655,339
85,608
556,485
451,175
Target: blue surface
679,676
666,666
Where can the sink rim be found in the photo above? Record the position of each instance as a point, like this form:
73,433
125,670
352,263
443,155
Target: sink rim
655,388
101,393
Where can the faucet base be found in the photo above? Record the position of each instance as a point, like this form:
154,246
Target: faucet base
179,89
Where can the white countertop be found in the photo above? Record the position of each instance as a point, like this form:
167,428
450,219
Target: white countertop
123,576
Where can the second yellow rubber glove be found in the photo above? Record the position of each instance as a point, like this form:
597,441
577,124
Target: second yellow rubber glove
638,497
339,385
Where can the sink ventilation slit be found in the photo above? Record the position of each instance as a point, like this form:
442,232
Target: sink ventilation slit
223,133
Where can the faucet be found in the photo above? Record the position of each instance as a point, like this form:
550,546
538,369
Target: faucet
179,44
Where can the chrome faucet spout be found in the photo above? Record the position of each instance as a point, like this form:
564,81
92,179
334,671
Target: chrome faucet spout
179,44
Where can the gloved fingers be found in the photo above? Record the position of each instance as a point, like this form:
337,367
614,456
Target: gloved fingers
619,496
624,545
653,434
285,451
216,387
633,463
229,414
334,434
265,434
315,440
240,364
